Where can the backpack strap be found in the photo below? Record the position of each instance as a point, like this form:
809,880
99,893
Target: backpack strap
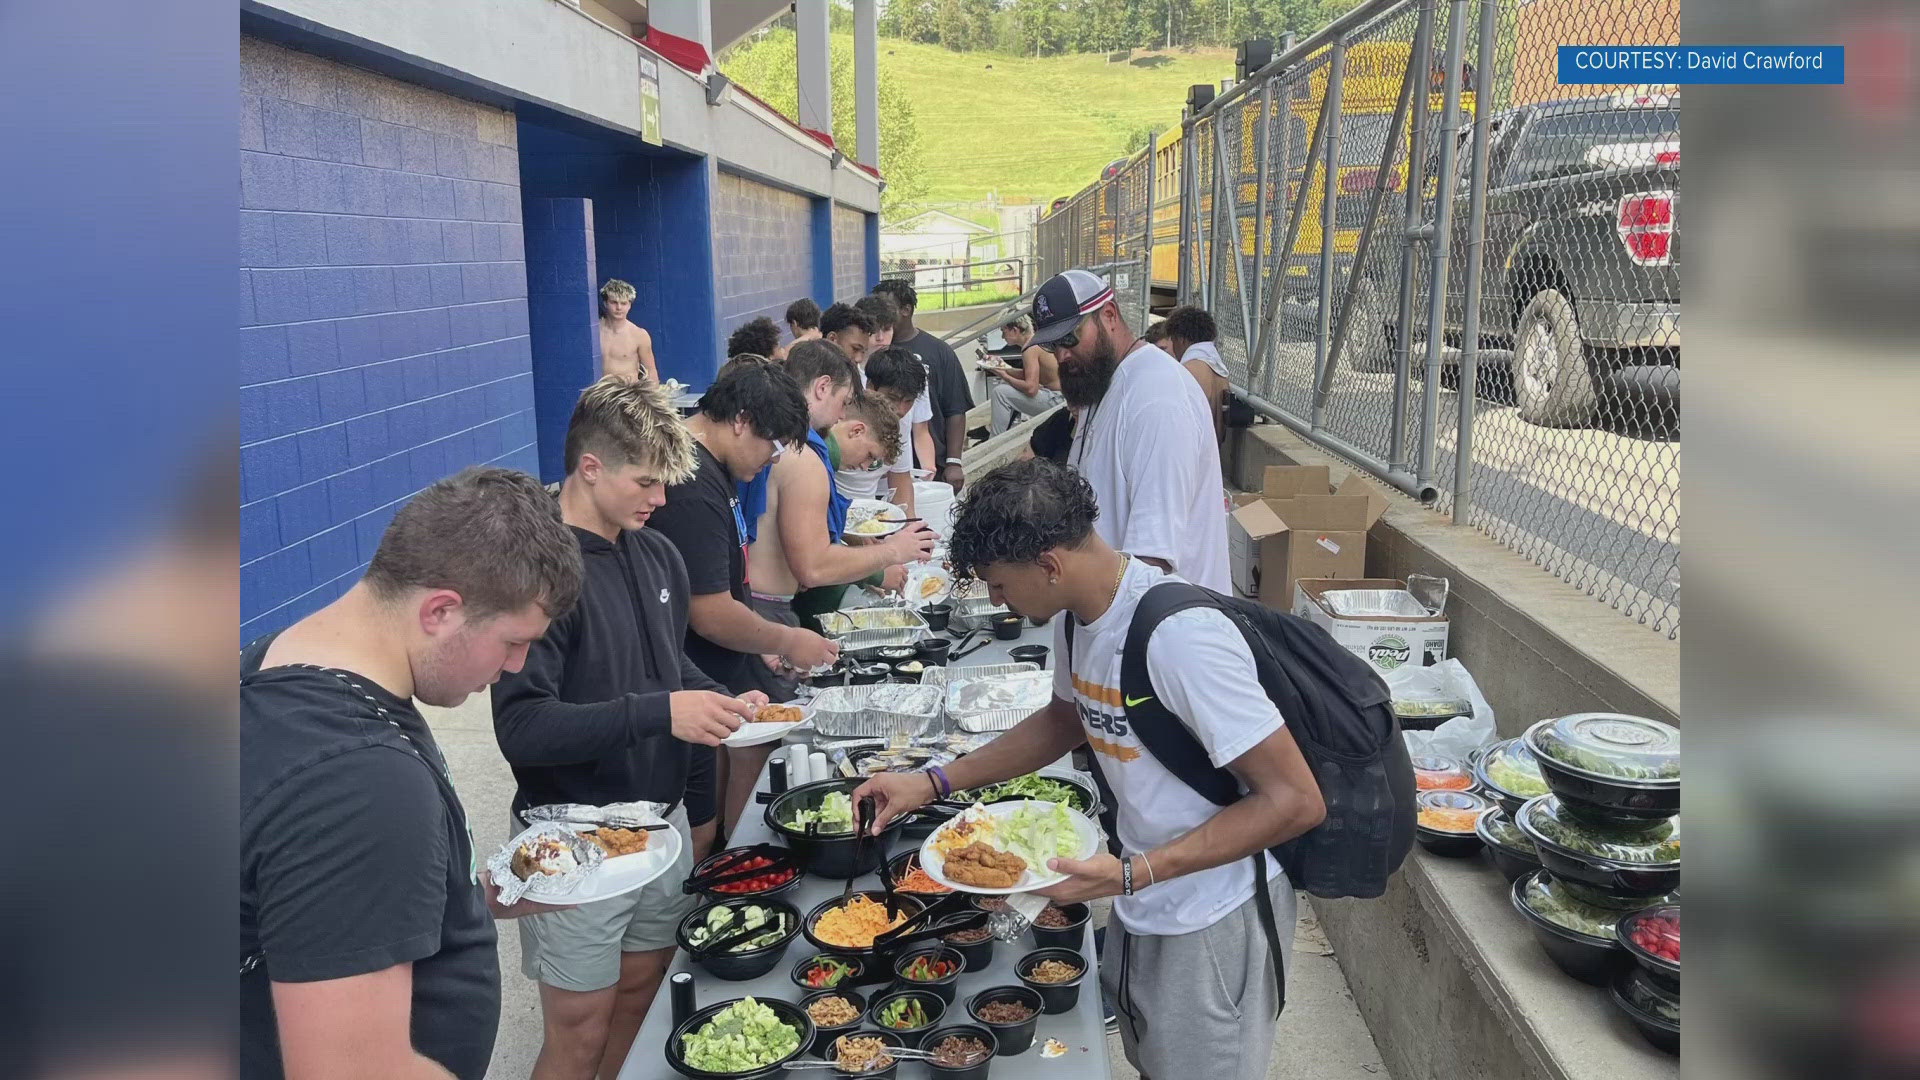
1177,748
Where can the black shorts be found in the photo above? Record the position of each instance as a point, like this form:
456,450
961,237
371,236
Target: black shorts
703,786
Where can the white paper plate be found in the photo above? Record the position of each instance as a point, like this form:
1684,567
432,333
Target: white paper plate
1033,878
918,575
757,733
888,528
622,874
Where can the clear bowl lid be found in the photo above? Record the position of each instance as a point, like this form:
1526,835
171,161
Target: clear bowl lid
1495,827
1611,746
1435,771
1545,896
1547,822
1510,768
1450,811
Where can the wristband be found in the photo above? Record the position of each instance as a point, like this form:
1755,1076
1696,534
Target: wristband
941,785
955,461
1153,876
1126,875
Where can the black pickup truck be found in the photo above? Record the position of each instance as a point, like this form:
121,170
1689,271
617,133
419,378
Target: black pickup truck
1582,253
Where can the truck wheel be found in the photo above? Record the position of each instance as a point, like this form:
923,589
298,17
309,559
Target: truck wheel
1367,347
1552,382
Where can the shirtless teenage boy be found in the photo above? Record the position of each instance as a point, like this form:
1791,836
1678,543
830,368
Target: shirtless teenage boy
625,349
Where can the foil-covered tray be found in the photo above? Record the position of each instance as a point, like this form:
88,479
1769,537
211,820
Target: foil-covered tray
983,704
878,710
869,628
627,815
974,612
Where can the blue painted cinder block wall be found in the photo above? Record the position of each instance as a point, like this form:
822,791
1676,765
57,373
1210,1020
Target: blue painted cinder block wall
563,308
763,250
849,253
383,310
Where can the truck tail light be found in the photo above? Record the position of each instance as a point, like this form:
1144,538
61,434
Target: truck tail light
1645,223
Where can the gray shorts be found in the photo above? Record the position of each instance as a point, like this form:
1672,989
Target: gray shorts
579,948
754,673
1199,1004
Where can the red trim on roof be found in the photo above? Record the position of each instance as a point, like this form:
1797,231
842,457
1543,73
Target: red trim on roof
680,52
820,137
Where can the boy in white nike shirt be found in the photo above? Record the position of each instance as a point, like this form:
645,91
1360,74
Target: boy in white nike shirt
1186,931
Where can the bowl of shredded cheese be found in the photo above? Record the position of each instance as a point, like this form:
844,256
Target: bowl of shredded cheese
849,926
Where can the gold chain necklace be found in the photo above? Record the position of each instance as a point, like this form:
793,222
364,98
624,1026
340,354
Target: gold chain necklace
1117,579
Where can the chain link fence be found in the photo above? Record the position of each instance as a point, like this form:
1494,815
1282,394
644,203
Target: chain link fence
1427,256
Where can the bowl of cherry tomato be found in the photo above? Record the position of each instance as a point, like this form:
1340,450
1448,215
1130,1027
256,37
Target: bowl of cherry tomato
758,871
1652,935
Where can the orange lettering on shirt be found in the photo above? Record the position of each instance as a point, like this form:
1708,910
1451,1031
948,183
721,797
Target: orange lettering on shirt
1113,750
1102,694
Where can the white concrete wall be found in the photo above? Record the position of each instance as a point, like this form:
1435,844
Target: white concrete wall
551,53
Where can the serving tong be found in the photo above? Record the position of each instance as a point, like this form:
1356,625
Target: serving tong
734,936
897,1053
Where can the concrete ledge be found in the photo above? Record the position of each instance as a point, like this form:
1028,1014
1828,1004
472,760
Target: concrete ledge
1537,646
1453,984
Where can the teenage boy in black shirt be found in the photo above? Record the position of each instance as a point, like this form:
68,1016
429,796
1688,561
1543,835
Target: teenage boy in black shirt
366,944
947,389
747,412
606,711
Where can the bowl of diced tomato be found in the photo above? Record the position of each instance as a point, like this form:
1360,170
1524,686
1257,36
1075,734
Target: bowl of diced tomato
1652,935
758,871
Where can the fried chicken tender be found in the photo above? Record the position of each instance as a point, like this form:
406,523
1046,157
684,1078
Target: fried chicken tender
984,867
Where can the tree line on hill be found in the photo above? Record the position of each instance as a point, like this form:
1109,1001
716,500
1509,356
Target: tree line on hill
1052,27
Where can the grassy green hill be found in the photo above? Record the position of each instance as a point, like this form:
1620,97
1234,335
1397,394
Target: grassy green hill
1027,129
1035,128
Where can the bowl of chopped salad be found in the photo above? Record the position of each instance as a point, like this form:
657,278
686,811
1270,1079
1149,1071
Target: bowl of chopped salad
816,821
1509,773
743,1039
1609,768
1445,820
1036,786
1579,935
824,971
1613,861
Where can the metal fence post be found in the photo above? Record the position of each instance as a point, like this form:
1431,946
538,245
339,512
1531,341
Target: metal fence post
1442,242
1329,196
1416,185
1275,316
1476,252
1146,245
1231,184
1258,285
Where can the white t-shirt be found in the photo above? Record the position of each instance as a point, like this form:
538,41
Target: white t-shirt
1207,353
871,483
1202,671
1148,450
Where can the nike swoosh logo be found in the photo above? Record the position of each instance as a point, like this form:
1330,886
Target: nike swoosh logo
1132,701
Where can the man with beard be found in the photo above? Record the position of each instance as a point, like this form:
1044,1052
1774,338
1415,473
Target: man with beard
1144,438
366,944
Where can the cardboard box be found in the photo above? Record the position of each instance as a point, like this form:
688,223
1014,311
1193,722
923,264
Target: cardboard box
1294,529
1386,642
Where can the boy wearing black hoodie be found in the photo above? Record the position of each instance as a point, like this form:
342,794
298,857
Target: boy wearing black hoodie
609,709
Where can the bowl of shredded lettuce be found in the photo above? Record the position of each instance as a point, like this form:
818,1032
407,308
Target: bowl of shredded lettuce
747,1037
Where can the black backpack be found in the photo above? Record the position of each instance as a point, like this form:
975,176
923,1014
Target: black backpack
1339,712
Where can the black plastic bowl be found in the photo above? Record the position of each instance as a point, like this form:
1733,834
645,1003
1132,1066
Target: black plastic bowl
945,987
1657,1030
1012,1038
719,858
908,905
1512,862
839,855
1453,845
890,1038
1662,972
1029,654
1608,877
741,966
858,965
976,1071
1070,937
937,616
792,1014
979,954
933,651
1592,960
897,868
823,1036
1006,626
1610,803
936,1011
1055,998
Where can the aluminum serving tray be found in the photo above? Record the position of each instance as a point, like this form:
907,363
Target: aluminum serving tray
976,722
974,613
848,712
856,629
